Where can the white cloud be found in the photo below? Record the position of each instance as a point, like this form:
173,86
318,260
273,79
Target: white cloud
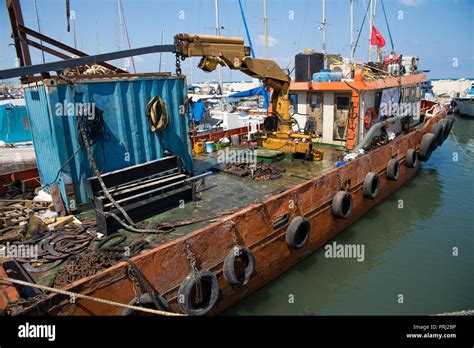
411,3
271,41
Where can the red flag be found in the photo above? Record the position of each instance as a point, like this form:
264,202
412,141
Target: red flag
376,38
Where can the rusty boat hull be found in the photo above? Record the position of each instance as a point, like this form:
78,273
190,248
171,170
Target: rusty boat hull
166,266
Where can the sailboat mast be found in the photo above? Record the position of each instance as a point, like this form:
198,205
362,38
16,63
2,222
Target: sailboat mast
218,33
39,29
371,23
265,27
352,31
324,35
378,49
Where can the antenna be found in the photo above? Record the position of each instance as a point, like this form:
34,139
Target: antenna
39,29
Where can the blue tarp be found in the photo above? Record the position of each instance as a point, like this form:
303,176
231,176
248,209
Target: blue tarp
196,110
14,125
252,92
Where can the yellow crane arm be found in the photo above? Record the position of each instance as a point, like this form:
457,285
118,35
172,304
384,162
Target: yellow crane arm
232,52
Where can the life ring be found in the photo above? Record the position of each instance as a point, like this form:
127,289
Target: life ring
393,169
371,185
342,205
209,293
370,118
297,233
239,254
411,158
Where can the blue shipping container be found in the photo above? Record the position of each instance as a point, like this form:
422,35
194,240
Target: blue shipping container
127,139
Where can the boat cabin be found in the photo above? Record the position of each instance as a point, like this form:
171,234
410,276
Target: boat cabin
341,112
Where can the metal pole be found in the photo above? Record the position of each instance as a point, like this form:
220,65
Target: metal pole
352,31
162,34
265,27
39,29
370,29
379,51
324,35
219,68
74,30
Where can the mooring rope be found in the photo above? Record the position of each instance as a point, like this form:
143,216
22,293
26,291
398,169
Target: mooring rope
90,298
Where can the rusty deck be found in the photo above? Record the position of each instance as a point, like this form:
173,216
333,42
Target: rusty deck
165,266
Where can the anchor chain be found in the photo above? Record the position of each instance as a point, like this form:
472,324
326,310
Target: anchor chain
235,238
178,65
295,201
193,263
343,184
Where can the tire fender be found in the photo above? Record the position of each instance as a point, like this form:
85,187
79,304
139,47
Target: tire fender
186,291
371,186
426,147
297,233
342,205
393,169
411,158
229,270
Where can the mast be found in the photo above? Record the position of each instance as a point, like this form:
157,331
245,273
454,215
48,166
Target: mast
162,34
218,33
371,23
378,50
352,31
324,35
265,27
39,29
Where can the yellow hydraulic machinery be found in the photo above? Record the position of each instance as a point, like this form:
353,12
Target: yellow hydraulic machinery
231,51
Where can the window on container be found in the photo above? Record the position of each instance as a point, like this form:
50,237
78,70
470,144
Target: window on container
294,102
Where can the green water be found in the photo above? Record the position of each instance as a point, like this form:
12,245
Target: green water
408,251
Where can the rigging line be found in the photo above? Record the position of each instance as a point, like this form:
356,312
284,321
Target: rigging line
301,32
388,26
126,33
361,26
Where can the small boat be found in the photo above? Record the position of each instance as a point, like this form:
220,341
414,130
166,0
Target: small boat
466,103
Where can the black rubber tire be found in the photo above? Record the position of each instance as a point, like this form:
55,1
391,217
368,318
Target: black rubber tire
411,158
186,290
426,147
371,186
438,130
393,169
145,300
297,233
445,124
450,122
342,205
229,266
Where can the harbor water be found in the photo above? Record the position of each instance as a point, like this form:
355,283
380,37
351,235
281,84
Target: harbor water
417,245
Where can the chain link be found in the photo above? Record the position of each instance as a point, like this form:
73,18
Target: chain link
295,201
197,276
178,65
343,184
234,232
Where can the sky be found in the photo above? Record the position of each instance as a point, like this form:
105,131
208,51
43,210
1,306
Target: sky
440,32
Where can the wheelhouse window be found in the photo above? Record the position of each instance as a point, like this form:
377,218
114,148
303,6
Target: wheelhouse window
294,102
341,117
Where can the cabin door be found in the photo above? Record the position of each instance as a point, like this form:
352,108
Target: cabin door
315,110
341,116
